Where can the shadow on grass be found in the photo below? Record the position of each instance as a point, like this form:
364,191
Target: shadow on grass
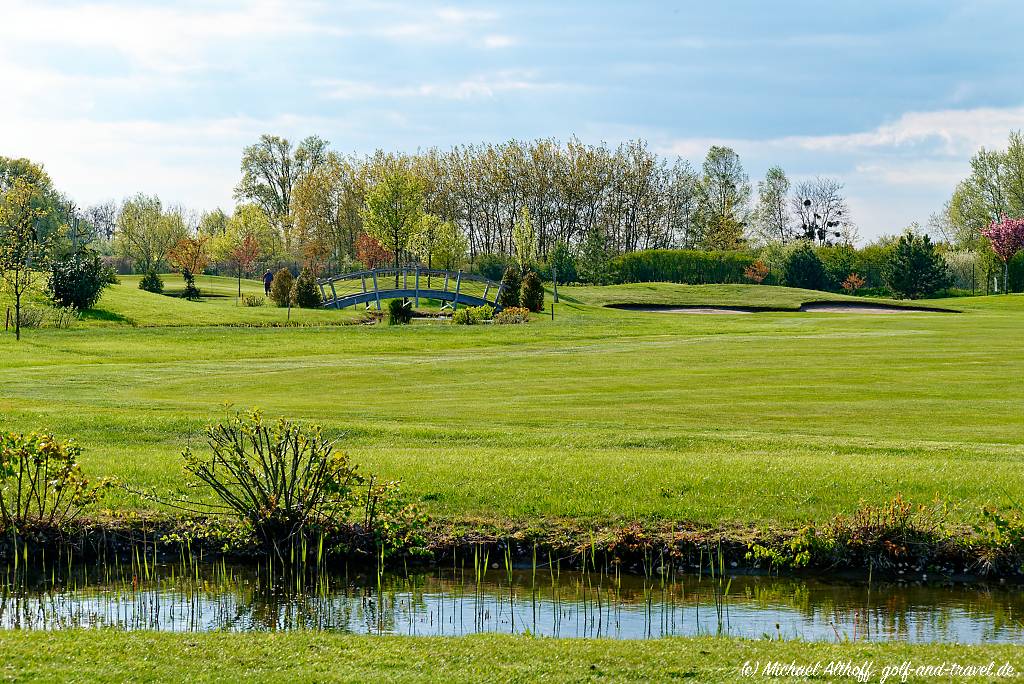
106,316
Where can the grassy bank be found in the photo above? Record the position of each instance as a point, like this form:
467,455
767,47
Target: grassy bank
599,416
151,657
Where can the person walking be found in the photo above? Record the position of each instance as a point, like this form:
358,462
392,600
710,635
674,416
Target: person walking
268,278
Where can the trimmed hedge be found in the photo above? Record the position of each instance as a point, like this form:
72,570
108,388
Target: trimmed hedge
691,267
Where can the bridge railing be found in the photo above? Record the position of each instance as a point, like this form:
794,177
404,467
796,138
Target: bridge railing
456,287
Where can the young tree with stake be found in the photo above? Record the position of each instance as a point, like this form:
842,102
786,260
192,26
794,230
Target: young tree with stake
22,252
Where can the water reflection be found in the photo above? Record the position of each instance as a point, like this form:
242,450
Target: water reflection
451,602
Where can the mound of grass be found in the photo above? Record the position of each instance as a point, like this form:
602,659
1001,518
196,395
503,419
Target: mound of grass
125,304
674,294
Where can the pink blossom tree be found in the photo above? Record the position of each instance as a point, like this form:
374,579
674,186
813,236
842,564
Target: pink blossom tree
1007,238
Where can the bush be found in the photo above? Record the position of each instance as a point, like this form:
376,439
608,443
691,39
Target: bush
191,292
305,292
32,317
853,283
464,317
1015,267
471,315
838,261
532,296
283,480
42,486
281,287
399,312
687,266
512,315
252,300
511,284
914,268
804,269
756,272
151,282
491,266
79,282
64,316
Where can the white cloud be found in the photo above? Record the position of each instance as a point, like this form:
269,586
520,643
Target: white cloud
899,172
155,38
190,162
946,133
168,39
496,41
482,86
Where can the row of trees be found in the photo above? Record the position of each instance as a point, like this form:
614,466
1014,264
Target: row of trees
306,203
625,198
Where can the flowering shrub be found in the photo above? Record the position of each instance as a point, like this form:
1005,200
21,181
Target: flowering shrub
1007,238
41,484
252,300
756,272
512,315
472,315
280,478
288,486
853,283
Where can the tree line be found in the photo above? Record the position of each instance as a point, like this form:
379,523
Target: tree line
308,204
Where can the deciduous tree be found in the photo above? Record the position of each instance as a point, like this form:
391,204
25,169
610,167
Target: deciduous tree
723,199
1006,236
393,208
822,215
774,223
22,249
145,232
271,168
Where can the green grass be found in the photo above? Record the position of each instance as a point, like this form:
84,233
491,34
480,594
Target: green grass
125,304
111,656
601,415
674,294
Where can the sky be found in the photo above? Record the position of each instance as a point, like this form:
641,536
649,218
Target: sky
890,97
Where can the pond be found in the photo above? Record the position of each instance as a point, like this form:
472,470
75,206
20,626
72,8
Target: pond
192,597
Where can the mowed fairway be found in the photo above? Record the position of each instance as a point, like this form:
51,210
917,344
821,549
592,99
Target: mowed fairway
600,415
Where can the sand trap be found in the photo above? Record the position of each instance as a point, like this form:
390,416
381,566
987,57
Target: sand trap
856,307
811,307
693,310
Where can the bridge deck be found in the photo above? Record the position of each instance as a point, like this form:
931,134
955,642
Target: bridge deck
368,287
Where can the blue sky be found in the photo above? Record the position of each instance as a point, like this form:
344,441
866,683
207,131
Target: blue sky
892,98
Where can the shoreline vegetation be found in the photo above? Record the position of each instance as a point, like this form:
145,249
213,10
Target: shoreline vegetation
898,541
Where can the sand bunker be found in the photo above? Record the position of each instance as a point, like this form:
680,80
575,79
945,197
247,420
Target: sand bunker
856,307
812,307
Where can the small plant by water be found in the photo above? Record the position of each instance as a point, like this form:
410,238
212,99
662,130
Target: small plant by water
284,480
42,486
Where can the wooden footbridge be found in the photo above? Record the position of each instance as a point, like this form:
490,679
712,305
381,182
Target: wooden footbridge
370,287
